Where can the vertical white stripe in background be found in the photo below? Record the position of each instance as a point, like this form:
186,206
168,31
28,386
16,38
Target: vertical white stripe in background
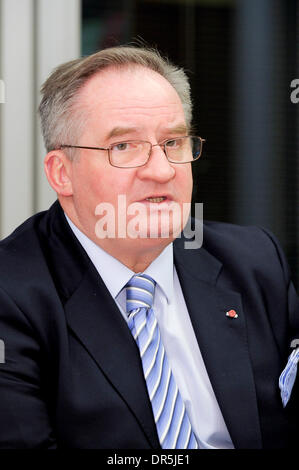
35,37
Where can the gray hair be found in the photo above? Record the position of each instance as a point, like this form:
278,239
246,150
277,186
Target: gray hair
62,119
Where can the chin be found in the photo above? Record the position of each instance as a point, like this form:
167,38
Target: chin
143,245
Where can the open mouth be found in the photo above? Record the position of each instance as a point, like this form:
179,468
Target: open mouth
156,199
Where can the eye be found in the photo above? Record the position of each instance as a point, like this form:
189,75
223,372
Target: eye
173,143
121,146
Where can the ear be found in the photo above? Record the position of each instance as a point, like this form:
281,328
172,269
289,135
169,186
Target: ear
58,171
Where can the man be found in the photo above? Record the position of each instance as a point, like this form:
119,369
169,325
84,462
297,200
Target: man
114,340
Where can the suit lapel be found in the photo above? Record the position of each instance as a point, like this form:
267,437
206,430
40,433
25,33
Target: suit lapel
222,341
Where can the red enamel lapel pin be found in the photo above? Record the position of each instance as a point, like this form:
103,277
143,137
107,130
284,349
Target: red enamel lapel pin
232,314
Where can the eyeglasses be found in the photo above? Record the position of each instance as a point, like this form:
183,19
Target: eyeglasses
135,153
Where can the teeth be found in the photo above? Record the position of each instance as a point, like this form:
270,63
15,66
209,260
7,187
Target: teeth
155,199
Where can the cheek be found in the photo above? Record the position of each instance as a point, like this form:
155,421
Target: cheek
87,184
108,183
184,181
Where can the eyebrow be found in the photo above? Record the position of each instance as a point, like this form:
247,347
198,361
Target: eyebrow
179,129
119,131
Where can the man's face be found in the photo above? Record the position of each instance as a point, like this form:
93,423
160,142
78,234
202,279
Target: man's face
124,105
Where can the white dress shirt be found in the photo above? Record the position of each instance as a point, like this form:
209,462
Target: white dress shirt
177,334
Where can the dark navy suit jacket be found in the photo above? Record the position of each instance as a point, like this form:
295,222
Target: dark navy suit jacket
72,376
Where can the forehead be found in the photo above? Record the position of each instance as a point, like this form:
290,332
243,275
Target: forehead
131,96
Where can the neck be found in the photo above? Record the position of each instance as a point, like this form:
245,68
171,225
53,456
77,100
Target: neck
135,260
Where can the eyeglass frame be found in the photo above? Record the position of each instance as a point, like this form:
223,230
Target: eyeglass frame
163,143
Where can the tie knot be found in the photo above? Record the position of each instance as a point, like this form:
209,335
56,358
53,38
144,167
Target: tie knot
140,292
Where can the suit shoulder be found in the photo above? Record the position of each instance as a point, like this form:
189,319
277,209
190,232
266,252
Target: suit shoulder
21,254
241,235
22,239
253,245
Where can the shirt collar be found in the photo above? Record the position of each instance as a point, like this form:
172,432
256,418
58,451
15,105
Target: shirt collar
161,269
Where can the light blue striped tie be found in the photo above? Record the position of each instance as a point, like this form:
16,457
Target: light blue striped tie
172,421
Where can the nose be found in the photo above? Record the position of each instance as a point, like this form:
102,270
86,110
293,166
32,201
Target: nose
157,168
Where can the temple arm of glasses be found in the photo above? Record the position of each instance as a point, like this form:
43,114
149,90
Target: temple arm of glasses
81,147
